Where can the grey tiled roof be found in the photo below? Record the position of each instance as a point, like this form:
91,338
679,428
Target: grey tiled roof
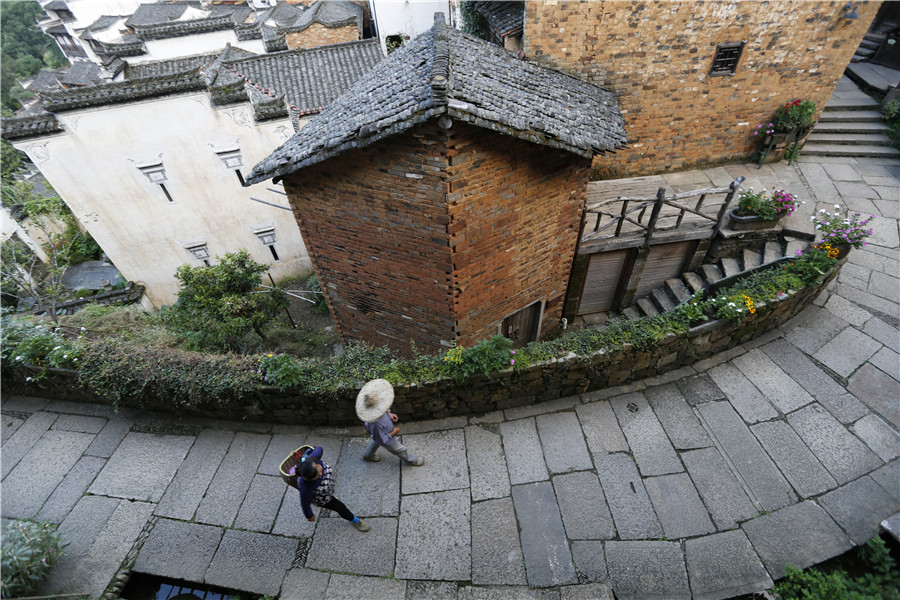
330,13
503,18
56,5
44,81
102,23
446,71
308,79
82,73
155,14
295,82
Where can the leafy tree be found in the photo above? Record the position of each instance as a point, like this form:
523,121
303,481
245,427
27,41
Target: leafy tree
22,273
219,304
11,160
25,48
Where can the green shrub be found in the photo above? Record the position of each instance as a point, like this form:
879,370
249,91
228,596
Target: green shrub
891,112
312,284
482,358
881,582
84,293
39,345
281,370
28,551
811,267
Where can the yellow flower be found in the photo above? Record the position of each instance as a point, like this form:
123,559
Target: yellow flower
748,301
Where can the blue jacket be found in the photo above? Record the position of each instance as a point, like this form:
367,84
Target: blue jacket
317,492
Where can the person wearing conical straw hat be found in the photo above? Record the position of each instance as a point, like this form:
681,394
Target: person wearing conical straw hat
373,408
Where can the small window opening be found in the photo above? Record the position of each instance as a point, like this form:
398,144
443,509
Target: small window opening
267,238
162,186
239,176
200,252
726,59
274,253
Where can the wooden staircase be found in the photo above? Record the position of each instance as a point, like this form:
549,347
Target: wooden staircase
679,290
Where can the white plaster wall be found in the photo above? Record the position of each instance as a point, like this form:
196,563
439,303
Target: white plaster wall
198,43
93,166
9,227
408,17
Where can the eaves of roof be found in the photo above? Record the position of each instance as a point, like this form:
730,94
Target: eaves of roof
447,72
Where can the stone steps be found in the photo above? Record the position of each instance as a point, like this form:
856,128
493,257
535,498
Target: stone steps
865,139
850,116
859,127
850,150
679,290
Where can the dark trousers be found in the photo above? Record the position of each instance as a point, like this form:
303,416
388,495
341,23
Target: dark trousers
338,507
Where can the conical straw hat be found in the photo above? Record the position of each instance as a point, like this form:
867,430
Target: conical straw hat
374,399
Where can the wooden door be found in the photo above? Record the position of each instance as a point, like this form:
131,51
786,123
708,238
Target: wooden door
665,261
602,281
522,327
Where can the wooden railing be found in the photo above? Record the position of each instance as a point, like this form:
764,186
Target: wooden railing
666,213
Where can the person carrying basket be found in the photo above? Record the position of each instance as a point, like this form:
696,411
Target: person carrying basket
315,480
373,408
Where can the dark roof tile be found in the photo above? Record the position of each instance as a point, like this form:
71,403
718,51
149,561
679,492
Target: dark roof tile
503,18
445,71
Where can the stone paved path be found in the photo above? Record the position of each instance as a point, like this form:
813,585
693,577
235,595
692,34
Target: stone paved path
702,483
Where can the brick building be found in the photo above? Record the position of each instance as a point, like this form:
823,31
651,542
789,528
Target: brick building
693,78
440,197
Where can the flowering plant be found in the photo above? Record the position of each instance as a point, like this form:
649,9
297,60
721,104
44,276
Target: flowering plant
795,115
763,129
838,228
779,204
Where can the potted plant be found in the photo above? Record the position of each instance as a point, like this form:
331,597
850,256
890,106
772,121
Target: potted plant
842,230
791,125
759,210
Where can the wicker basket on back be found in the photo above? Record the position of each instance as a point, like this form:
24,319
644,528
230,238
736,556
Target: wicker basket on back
292,461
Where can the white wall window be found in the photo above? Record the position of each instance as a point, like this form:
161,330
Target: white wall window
156,173
233,162
267,238
200,252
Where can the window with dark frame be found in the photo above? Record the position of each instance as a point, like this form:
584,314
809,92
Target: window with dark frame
726,59
267,238
156,173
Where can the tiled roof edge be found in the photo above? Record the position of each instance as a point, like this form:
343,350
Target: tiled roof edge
124,48
440,69
23,127
125,90
179,28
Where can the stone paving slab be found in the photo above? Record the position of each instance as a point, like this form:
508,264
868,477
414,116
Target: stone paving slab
724,565
859,507
290,521
338,546
142,466
888,361
110,437
548,560
647,570
26,404
280,447
430,590
27,436
834,397
98,566
70,489
796,462
524,457
506,593
590,560
35,477
652,449
231,481
583,507
601,429
845,457
432,539
881,331
368,489
430,425
79,423
846,352
888,477
178,550
842,308
541,408
8,426
260,507
488,477
192,479
445,462
590,591
813,329
251,562
742,394
496,552
628,501
757,471
879,391
700,388
878,436
565,449
800,535
677,418
678,506
304,584
350,587
779,389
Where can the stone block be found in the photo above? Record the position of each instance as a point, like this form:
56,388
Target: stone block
601,429
588,591
878,436
445,462
79,423
71,489
304,584
110,437
879,391
628,502
742,394
496,552
800,535
677,418
191,481
563,443
647,570
847,351
488,475
583,507
368,489
548,561
231,481
338,546
261,504
797,462
27,436
678,506
724,565
251,562
524,457
432,540
280,447
698,389
859,507
652,449
779,389
590,561
178,550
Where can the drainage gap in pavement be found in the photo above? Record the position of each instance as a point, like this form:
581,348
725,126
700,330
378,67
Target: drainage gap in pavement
150,587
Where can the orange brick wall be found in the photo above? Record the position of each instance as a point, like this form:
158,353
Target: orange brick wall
318,35
656,56
437,235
